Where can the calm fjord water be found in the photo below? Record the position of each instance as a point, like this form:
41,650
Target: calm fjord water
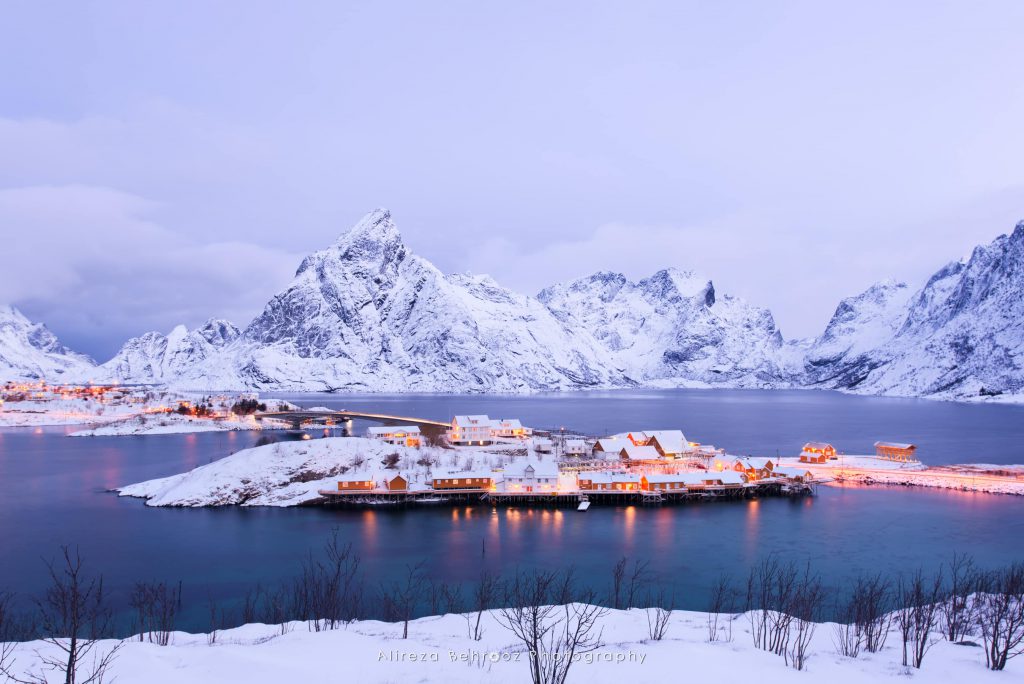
53,491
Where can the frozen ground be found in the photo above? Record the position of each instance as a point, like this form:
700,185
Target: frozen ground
439,650
171,423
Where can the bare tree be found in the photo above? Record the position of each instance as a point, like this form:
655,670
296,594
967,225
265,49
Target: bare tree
918,604
553,635
805,609
73,617
401,597
626,587
1000,615
156,606
846,634
485,594
720,610
872,598
956,611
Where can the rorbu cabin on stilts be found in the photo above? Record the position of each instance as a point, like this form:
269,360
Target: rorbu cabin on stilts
896,451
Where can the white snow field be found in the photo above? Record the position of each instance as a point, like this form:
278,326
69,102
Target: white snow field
439,650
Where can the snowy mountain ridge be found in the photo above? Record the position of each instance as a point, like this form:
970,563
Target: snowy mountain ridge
366,314
30,351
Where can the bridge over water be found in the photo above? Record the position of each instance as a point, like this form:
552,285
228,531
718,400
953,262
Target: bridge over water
298,418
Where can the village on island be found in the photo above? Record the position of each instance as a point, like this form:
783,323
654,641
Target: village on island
474,458
649,466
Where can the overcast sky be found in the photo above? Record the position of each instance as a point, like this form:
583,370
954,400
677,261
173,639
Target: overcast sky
165,162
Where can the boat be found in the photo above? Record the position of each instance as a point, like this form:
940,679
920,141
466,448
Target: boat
584,503
431,500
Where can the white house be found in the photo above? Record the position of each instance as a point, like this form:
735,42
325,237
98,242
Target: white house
482,430
511,428
530,476
467,430
575,447
542,445
399,435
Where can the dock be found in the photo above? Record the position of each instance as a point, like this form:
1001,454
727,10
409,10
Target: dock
641,497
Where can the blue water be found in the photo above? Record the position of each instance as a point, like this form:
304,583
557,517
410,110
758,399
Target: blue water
53,491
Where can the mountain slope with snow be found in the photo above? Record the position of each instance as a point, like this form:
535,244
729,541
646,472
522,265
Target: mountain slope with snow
672,327
155,358
367,314
29,351
960,336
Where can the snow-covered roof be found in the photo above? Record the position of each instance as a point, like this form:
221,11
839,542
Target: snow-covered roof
817,445
479,420
391,429
640,453
663,477
612,443
527,468
671,441
510,423
895,445
575,443
463,474
700,477
792,472
609,477
360,476
756,462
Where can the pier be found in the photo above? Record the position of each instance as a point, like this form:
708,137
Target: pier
383,497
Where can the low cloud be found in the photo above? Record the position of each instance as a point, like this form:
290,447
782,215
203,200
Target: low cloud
97,266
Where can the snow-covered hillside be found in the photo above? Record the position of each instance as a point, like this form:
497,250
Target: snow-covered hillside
29,351
961,335
154,357
671,327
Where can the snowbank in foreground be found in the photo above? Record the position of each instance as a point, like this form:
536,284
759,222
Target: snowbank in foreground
439,650
291,473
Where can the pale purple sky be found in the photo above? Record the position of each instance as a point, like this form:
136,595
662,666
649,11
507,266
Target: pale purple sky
164,162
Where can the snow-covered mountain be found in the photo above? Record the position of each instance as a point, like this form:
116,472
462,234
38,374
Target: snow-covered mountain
671,328
156,358
29,351
367,314
961,335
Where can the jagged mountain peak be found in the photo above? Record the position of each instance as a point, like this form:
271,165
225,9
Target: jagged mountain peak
30,350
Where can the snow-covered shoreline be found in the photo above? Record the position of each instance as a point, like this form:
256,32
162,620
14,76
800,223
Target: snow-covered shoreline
439,650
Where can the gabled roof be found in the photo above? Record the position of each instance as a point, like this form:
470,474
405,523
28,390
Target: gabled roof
479,420
612,443
575,443
818,445
640,453
671,441
525,468
361,476
756,462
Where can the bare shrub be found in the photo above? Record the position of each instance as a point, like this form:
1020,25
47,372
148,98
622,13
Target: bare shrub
485,594
805,610
659,613
626,587
957,610
328,591
401,597
1000,615
156,605
719,618
872,597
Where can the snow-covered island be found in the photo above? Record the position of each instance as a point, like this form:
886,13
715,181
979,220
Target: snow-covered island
129,410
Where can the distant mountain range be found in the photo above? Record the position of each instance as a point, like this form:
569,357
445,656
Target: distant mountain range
366,314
